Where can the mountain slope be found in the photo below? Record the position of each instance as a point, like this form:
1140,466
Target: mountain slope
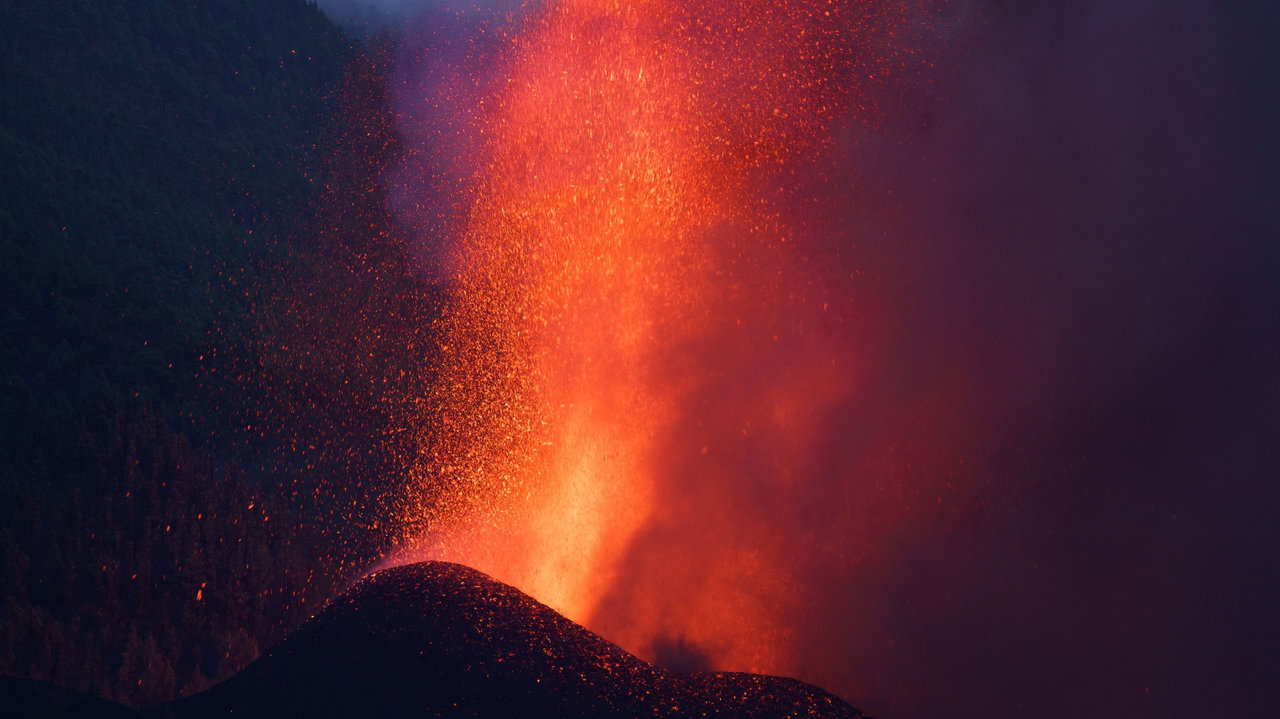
442,640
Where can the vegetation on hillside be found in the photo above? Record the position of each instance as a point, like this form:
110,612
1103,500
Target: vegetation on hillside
190,224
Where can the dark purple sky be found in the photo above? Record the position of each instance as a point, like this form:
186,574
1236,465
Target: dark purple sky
1092,199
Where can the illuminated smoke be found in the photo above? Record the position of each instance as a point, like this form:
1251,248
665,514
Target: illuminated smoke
648,323
1037,248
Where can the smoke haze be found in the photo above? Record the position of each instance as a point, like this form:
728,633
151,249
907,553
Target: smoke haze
1046,485
371,16
1088,240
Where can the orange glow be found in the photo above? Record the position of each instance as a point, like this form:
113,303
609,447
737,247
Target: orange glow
634,305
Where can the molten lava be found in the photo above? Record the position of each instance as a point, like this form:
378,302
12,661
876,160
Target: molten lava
643,335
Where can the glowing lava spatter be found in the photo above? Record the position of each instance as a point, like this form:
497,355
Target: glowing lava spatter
634,300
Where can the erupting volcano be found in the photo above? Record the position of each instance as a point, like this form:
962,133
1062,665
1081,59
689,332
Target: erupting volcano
664,358
647,322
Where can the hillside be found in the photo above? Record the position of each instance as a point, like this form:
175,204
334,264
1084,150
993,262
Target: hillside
174,174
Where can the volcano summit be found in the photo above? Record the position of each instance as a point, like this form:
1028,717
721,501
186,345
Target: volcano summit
436,639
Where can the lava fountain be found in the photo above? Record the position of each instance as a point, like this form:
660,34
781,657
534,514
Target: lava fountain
647,325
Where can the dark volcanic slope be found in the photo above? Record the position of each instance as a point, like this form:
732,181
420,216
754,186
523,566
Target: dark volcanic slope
443,640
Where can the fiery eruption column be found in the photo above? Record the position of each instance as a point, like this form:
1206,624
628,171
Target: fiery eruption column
640,328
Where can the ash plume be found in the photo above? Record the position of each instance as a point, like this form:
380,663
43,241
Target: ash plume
1038,244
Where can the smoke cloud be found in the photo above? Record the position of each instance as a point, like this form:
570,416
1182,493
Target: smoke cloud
1047,487
1083,331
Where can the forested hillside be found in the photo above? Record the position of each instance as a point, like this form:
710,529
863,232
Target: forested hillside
144,144
178,179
